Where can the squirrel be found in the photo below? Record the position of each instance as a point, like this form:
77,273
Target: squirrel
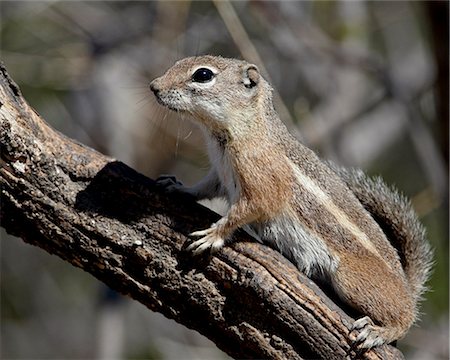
336,225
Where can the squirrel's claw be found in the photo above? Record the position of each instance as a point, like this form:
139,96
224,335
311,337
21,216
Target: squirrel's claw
362,323
210,240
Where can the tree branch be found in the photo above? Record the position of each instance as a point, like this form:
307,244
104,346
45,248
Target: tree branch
104,217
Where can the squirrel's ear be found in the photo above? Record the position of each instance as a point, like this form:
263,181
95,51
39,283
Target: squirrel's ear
251,76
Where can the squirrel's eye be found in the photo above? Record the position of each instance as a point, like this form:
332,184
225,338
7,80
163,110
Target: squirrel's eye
202,75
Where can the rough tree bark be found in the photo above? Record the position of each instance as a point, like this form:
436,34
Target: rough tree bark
104,217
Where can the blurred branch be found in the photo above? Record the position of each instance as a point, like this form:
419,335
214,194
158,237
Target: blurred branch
301,34
102,216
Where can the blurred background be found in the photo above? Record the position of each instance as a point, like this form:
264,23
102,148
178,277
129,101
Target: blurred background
363,83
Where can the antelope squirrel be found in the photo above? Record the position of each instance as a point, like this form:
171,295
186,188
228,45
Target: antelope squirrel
334,224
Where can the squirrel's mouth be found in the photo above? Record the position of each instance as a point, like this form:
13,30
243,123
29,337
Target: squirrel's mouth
169,105
168,101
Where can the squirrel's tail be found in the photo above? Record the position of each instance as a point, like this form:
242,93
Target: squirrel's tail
396,217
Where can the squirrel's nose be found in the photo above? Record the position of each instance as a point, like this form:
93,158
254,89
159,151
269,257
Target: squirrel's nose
154,87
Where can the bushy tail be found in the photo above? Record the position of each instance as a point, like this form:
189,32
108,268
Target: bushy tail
396,217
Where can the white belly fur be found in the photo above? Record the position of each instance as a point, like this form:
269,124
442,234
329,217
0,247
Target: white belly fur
304,249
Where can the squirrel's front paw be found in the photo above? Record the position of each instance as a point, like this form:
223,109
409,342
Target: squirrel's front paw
369,334
212,239
170,184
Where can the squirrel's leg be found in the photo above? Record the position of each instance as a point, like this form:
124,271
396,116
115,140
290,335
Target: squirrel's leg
386,300
240,213
207,188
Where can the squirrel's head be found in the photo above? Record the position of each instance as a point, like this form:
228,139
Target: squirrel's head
212,89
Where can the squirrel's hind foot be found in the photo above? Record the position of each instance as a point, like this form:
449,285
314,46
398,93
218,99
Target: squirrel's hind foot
370,335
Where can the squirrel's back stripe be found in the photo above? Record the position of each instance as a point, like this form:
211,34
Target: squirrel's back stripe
325,200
